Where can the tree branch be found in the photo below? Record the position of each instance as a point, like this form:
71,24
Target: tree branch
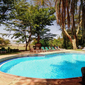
67,33
78,28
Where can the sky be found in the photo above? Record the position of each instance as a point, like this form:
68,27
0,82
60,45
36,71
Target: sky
55,29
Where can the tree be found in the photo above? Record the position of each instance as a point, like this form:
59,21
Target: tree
5,7
83,21
4,42
29,20
45,36
66,11
56,42
20,23
41,17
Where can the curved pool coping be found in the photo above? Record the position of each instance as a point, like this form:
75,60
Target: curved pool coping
9,79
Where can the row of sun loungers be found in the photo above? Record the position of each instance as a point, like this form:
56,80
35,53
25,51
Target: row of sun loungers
44,49
49,48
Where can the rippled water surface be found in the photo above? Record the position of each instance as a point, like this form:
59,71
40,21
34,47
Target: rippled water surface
52,66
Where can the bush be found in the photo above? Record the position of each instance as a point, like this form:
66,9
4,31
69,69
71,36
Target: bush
9,50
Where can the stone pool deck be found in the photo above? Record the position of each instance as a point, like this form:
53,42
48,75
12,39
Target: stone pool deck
8,79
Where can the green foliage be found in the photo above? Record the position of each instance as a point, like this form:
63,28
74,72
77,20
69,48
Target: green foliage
50,42
5,7
30,20
67,44
4,42
3,49
20,23
40,18
56,42
34,42
9,50
44,42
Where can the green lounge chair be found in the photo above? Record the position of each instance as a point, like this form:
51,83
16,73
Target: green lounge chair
53,48
43,48
50,48
46,48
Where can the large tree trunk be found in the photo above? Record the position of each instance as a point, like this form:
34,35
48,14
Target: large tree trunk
83,24
74,43
29,40
29,45
64,40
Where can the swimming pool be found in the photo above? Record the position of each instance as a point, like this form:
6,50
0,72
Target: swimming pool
50,66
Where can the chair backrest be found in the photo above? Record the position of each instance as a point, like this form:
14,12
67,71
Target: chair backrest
49,47
46,48
42,48
53,48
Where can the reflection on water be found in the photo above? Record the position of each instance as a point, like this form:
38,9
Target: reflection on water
54,66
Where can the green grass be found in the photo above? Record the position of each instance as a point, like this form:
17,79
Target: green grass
76,49
16,47
10,53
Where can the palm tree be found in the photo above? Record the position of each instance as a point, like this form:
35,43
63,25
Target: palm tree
66,13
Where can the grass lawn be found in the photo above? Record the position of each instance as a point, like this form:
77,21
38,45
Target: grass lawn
16,47
78,49
10,53
20,47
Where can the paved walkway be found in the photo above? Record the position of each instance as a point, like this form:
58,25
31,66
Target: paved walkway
8,79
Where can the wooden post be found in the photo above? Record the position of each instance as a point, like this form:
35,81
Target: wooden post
83,75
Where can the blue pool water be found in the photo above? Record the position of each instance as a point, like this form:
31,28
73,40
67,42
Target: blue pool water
52,66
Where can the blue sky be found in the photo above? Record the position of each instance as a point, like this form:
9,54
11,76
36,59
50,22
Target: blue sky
55,29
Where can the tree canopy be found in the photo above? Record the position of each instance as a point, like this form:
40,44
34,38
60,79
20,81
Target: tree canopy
4,42
5,7
69,14
27,20
41,17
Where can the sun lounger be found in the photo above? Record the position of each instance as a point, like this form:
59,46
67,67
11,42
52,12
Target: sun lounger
46,48
53,48
43,49
50,48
